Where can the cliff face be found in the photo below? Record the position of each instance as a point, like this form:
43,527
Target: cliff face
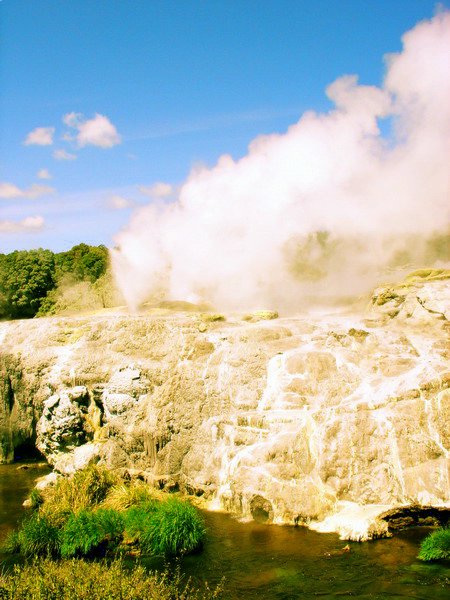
286,420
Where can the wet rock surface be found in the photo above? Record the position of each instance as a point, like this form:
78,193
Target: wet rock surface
286,420
416,515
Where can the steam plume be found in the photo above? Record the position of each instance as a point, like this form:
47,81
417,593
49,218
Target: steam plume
324,208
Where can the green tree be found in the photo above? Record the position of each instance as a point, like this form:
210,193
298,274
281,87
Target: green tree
82,262
36,282
25,278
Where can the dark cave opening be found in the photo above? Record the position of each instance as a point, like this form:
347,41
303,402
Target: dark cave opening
27,451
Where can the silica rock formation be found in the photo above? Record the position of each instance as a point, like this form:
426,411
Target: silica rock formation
327,420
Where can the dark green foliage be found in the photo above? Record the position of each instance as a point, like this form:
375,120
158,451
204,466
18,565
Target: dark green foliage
25,278
36,537
137,519
88,532
436,546
175,528
11,545
82,262
82,580
36,498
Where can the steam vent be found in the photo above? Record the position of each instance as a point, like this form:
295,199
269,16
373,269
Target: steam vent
340,422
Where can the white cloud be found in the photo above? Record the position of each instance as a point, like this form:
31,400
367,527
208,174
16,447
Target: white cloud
157,190
72,119
98,131
44,174
63,155
9,191
117,202
41,136
29,224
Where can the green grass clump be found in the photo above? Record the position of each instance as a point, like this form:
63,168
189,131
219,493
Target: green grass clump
175,528
36,499
11,545
137,519
85,489
436,546
36,537
122,495
88,532
82,580
91,513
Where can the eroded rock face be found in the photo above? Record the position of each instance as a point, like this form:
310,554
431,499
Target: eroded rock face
61,427
288,420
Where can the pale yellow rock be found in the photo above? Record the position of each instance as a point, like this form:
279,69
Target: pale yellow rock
261,315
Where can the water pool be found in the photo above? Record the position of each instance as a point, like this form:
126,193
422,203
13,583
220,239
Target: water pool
269,562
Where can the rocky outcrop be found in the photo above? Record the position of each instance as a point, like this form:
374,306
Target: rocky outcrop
327,420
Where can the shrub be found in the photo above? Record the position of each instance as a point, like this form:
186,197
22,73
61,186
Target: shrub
81,580
175,528
36,537
436,546
88,532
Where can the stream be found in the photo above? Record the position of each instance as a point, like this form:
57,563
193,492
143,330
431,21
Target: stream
269,562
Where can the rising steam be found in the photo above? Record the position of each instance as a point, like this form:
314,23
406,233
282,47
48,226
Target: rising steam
325,208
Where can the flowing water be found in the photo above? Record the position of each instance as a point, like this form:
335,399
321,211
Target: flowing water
269,562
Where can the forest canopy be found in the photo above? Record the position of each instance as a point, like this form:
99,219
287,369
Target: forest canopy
31,280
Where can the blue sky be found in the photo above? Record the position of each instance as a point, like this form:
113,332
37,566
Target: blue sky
103,100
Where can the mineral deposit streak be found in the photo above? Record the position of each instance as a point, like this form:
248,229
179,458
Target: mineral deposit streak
328,420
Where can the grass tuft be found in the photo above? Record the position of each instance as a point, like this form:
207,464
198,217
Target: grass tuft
137,519
36,499
122,496
85,489
11,545
175,528
436,546
87,533
36,537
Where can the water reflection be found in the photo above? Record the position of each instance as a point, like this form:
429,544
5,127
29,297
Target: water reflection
16,482
263,561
